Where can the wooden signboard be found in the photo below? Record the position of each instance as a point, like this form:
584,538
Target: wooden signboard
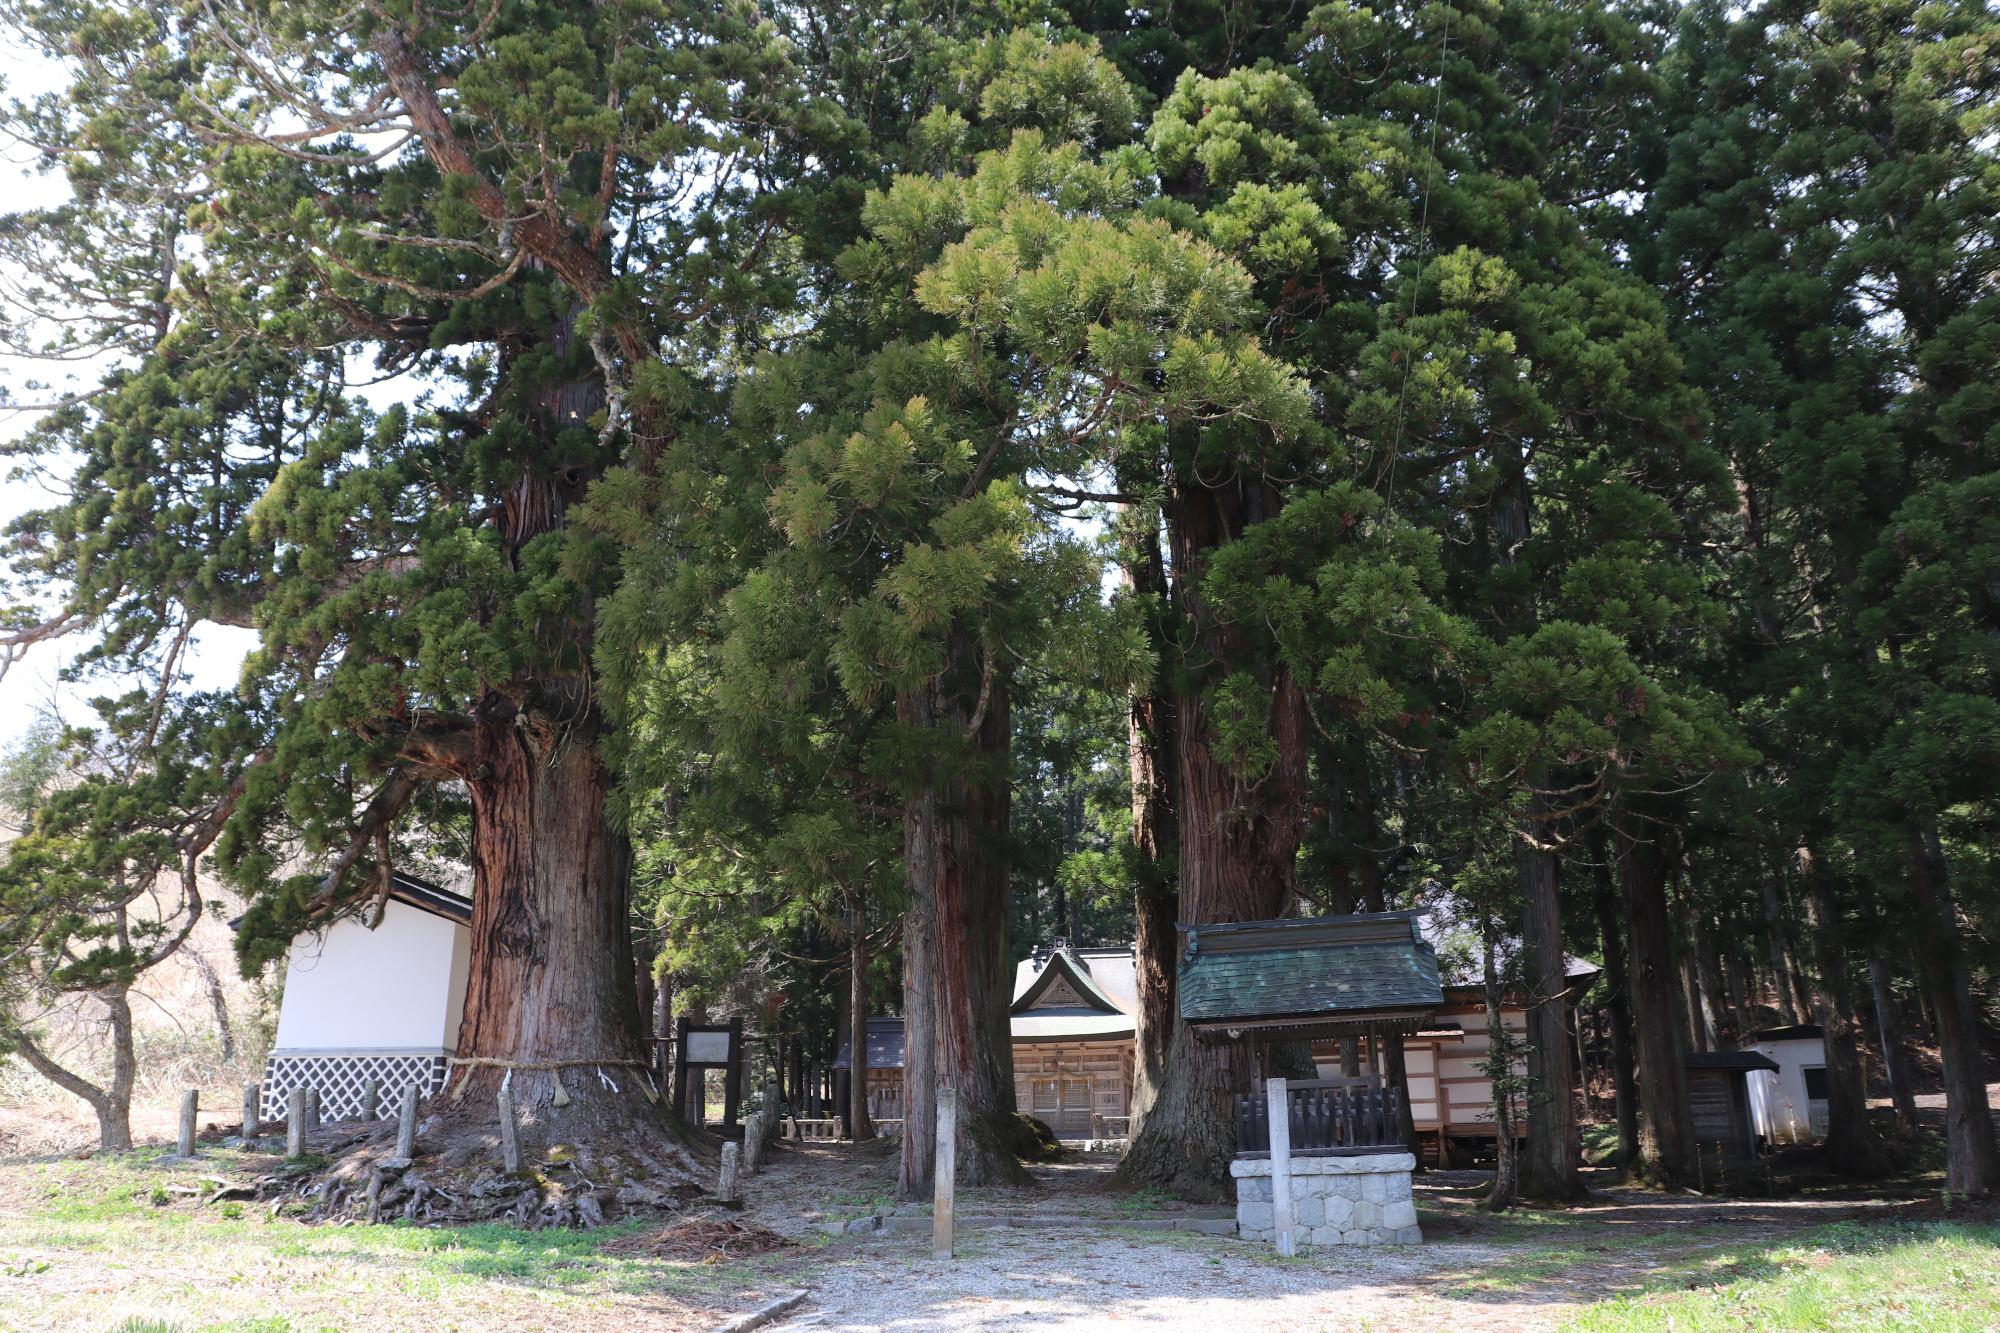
698,1050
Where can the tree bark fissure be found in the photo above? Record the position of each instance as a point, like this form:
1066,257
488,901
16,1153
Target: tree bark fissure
1666,1127
955,994
1239,841
550,974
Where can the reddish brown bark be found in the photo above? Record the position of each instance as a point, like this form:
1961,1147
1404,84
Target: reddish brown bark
1666,1126
1239,841
955,939
1548,1167
1154,763
551,978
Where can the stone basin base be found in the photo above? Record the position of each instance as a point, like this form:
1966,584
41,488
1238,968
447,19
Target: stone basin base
1335,1200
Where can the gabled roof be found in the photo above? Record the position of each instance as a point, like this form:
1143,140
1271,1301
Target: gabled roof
1329,971
1032,983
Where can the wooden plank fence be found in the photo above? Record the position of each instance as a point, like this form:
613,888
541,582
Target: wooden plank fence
1329,1118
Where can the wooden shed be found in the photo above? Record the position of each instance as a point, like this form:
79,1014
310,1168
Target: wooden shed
1719,1100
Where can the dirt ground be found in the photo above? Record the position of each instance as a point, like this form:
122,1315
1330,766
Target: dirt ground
1095,1268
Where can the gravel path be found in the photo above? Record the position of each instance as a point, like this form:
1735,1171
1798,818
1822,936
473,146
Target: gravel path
1084,1279
1473,1273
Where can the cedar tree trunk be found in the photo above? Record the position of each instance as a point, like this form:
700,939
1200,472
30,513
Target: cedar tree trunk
1155,903
1239,841
1154,764
1972,1159
1781,967
1548,1168
1618,1003
1851,1146
859,1127
550,992
1666,1125
1506,1151
1895,1050
955,942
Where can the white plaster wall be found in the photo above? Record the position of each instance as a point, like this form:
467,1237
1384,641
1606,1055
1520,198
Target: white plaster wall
399,987
1778,1102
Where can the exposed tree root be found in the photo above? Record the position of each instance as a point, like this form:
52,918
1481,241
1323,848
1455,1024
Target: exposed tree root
610,1171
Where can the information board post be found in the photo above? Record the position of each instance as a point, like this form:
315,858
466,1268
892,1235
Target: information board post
698,1049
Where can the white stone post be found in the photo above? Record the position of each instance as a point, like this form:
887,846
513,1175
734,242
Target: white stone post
1277,1092
944,1173
725,1183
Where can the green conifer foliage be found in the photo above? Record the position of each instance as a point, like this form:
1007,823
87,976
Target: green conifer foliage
1825,220
536,223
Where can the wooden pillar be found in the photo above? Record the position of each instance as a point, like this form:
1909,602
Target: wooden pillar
510,1132
944,1173
1278,1094
406,1124
679,1096
732,1082
190,1110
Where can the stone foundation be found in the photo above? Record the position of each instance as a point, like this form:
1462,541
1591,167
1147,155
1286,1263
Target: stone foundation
1335,1200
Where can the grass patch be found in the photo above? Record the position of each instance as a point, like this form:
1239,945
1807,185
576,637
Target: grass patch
120,1242
1931,1276
1146,1201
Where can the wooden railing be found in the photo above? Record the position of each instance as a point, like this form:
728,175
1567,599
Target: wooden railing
1328,1117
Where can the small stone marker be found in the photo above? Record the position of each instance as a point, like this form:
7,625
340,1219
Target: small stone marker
190,1107
944,1173
406,1125
725,1184
312,1108
1284,1227
510,1133
253,1101
295,1124
371,1099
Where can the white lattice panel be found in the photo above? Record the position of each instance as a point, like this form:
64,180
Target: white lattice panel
341,1079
